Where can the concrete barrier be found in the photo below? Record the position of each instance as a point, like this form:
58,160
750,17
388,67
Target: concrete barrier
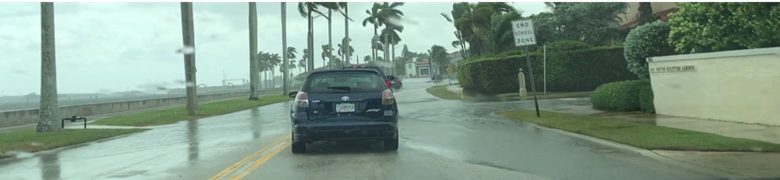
30,116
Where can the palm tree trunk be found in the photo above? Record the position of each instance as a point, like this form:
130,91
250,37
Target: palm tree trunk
310,43
346,34
273,76
285,60
49,110
330,37
254,72
374,51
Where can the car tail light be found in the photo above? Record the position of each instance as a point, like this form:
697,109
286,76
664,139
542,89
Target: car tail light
387,97
302,99
389,85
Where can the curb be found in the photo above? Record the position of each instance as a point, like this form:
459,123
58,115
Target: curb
644,152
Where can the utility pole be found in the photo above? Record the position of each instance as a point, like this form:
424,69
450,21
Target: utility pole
254,75
48,112
188,36
285,60
346,34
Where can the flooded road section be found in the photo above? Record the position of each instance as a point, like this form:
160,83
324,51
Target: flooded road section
440,139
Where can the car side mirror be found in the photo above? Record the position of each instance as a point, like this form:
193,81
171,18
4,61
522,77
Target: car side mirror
293,94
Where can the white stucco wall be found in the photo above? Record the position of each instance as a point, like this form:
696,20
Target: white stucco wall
740,86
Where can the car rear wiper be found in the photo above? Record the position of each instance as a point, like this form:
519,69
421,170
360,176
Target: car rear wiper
347,88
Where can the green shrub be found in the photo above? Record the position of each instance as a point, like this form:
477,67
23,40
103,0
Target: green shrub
647,40
646,99
570,71
618,96
566,45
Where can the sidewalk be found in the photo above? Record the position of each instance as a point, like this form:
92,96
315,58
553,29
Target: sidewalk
730,129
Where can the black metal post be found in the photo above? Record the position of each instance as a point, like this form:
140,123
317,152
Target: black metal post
531,75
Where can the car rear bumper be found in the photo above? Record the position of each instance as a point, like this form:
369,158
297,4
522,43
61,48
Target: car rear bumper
341,132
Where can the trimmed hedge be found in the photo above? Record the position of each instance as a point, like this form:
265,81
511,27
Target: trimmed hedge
568,71
645,41
618,96
567,45
646,99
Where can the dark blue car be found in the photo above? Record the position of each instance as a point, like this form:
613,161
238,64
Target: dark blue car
344,104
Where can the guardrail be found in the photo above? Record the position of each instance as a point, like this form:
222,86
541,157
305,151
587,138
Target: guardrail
34,103
29,116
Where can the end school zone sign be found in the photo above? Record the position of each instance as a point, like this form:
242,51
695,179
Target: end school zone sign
523,31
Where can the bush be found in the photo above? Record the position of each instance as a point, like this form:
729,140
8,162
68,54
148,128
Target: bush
567,45
646,99
647,40
618,96
570,71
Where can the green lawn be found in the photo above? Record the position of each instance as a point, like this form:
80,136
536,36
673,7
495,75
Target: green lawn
641,135
442,92
173,115
30,141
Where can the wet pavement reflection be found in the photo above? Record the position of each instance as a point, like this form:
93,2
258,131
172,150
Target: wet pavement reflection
440,139
50,166
192,138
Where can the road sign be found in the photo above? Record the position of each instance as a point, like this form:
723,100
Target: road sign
523,30
449,70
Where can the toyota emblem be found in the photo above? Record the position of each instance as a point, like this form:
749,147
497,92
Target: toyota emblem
345,98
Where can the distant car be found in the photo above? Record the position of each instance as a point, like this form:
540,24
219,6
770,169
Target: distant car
388,78
397,83
344,104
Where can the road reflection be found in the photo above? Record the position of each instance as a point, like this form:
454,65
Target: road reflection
50,166
192,138
254,123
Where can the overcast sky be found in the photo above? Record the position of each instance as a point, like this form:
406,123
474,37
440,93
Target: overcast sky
109,47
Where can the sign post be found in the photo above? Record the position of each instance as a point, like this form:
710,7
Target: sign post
449,75
523,31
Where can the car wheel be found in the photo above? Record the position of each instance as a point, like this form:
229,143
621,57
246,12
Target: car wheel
391,144
298,147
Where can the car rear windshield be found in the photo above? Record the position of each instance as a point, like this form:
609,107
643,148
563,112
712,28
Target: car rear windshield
345,82
370,67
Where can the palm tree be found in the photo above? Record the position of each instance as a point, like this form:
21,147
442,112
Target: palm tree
343,51
254,72
391,16
366,59
306,9
289,56
391,13
348,55
375,19
274,61
262,63
326,53
438,54
457,43
285,59
47,121
303,62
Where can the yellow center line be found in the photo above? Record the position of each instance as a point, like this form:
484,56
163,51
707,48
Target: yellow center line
247,159
260,161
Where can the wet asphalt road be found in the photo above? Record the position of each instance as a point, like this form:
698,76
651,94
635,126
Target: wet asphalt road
440,139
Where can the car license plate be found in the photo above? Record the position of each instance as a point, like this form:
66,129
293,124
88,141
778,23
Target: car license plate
345,107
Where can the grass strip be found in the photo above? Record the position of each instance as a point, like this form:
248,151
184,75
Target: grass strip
549,95
442,92
173,115
641,135
31,141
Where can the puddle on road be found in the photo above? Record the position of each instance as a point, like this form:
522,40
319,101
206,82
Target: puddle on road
435,150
